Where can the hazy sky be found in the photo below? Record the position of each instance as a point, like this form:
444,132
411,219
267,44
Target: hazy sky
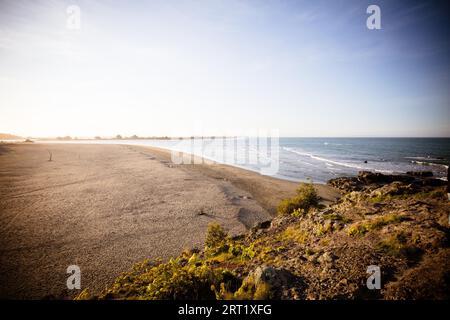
307,68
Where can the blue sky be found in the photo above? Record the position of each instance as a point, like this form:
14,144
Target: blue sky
306,68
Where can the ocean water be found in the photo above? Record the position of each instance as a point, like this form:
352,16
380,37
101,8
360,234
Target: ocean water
322,159
316,159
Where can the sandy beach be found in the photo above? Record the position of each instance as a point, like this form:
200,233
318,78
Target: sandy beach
106,207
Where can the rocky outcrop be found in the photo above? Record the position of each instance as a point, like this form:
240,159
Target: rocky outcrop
371,180
421,174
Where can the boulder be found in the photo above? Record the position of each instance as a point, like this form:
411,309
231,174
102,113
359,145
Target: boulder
276,280
431,182
421,174
368,177
274,277
346,184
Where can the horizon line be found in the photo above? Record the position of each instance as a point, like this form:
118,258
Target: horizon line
136,137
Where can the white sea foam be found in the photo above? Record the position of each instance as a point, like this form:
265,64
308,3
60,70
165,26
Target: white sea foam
426,163
423,158
330,163
327,161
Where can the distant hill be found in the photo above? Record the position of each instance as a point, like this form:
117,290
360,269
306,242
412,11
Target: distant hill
7,136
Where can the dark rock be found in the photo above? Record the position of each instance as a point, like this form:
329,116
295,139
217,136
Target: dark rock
282,220
260,227
421,174
238,237
433,182
345,184
263,224
367,180
368,177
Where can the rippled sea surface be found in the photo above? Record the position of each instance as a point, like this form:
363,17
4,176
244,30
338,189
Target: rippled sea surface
322,159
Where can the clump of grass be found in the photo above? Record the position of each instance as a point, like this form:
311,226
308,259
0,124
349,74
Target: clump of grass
321,229
360,229
433,194
397,245
249,290
306,198
236,253
220,247
336,217
380,198
299,212
438,193
266,253
294,233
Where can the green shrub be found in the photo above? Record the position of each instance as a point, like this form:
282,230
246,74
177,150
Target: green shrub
397,245
358,230
336,217
236,253
299,212
241,251
216,239
249,290
220,247
294,233
438,194
176,279
321,229
374,224
305,199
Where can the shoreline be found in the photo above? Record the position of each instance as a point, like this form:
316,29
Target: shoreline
232,173
106,207
205,159
320,175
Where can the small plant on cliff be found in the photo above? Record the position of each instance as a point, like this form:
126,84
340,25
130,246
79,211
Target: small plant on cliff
360,229
305,199
216,239
397,245
294,233
220,247
249,290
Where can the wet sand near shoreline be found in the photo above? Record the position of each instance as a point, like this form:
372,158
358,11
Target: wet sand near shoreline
106,207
